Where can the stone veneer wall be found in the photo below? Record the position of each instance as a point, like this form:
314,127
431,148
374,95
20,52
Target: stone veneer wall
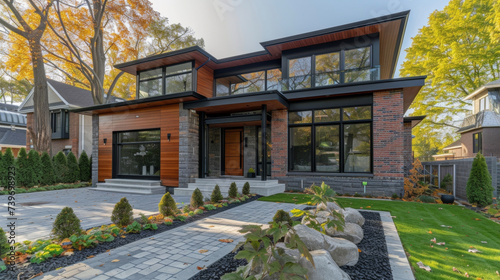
188,146
95,149
279,140
214,151
249,152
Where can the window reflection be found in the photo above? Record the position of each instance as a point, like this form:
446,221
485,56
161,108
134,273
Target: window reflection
138,153
357,147
327,69
327,148
249,82
300,140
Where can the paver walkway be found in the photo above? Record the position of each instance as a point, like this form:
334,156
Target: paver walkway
174,254
36,212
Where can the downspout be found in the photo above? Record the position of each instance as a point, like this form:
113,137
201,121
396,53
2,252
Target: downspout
202,132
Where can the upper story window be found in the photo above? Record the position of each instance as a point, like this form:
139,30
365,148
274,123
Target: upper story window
165,80
248,82
343,66
59,124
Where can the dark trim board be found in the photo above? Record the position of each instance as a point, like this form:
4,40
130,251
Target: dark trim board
239,99
235,119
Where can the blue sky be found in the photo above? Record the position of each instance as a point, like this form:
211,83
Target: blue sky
234,27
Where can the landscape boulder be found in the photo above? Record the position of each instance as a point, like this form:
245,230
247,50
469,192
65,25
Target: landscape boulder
353,216
326,267
352,232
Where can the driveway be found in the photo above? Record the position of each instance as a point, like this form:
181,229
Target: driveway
36,212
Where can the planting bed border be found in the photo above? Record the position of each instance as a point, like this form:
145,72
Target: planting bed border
373,261
59,262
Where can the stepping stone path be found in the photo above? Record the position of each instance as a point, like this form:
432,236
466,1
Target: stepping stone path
177,253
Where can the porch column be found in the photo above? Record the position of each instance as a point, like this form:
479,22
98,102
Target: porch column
202,141
264,146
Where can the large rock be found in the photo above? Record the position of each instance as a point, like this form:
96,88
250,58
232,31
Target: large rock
353,216
326,268
330,206
352,232
343,251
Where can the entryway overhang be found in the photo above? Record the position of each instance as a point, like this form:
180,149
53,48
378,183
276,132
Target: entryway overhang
274,100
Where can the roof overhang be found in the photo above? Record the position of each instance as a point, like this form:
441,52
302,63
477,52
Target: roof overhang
482,90
390,28
414,120
140,103
274,100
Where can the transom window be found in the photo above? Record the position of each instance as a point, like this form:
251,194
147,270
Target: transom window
249,82
331,140
343,66
166,80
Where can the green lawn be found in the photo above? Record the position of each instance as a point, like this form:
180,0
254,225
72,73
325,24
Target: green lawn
418,223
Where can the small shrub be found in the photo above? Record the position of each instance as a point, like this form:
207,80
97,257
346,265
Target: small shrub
357,195
198,211
251,170
282,216
135,227
186,209
143,219
181,218
197,198
60,167
233,190
66,224
122,213
36,165
84,165
246,188
150,227
210,207
394,196
479,188
168,221
447,181
413,186
4,244
73,174
167,205
216,195
80,242
52,250
104,237
427,199
224,204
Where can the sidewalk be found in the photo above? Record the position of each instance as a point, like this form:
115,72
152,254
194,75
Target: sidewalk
174,254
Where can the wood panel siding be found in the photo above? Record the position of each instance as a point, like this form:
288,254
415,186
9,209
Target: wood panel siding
165,117
205,80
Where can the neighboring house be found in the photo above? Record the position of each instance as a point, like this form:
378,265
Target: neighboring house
70,131
319,106
479,132
12,128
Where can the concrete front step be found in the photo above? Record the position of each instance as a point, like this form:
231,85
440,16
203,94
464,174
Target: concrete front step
131,186
206,186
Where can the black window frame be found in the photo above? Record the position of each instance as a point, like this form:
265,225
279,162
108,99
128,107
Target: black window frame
477,145
59,124
164,76
115,159
341,123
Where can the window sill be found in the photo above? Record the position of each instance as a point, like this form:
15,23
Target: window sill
295,173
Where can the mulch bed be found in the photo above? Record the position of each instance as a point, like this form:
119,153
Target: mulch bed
373,261
28,270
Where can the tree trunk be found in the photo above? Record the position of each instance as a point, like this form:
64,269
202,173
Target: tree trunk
40,132
98,56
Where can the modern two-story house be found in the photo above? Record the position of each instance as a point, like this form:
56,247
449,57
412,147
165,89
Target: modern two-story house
319,106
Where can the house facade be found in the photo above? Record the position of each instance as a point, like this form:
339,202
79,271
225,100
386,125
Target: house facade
319,106
70,131
12,129
480,131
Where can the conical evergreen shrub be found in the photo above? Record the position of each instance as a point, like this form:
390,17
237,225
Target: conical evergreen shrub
4,244
167,205
24,172
282,216
7,161
246,189
122,213
233,190
36,165
479,188
48,176
66,224
216,195
60,167
84,164
73,169
197,198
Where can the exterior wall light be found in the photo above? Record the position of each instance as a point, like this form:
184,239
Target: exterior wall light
168,137
105,140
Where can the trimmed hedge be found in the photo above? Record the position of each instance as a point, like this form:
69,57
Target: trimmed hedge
24,171
84,165
73,174
48,176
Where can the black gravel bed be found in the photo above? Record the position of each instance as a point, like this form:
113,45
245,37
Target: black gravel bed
33,269
373,261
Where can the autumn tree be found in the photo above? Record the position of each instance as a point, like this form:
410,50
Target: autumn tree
28,22
459,51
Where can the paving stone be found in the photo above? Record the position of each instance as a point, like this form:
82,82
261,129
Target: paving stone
170,269
113,272
151,269
127,273
152,261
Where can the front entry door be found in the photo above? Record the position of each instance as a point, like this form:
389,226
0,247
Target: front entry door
233,159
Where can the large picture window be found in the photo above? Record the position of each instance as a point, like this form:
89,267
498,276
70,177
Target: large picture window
166,80
137,153
336,140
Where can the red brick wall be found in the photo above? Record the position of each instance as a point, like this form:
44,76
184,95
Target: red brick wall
407,153
388,134
279,136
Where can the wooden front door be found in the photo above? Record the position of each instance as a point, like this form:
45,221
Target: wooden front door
233,156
